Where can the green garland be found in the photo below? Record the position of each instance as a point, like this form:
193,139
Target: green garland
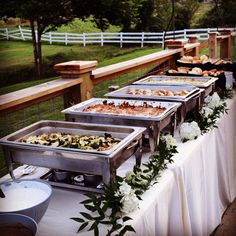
106,209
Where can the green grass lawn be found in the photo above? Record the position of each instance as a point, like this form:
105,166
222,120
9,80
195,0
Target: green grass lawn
17,58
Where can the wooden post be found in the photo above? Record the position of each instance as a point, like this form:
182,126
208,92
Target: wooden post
212,44
175,44
77,69
225,44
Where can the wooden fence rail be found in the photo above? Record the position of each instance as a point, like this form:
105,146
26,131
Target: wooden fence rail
102,38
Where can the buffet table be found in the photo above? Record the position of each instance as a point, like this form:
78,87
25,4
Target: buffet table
189,198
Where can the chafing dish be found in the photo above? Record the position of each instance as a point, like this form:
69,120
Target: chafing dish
192,100
154,124
102,163
207,83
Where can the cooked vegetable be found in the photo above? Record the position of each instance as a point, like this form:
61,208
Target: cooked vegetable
85,142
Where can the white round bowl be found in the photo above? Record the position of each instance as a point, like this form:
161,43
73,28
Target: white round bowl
12,223
27,197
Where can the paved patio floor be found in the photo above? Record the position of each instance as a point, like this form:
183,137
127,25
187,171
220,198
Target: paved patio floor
228,222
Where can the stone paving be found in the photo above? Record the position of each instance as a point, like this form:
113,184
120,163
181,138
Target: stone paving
228,222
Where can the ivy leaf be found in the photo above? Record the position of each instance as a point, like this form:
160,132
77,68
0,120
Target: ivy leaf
105,222
82,226
118,226
80,220
125,229
87,201
126,218
86,215
90,208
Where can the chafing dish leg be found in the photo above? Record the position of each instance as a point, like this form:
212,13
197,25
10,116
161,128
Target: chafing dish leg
9,163
154,135
138,154
173,124
107,175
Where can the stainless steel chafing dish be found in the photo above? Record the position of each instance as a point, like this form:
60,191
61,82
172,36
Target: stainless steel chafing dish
102,163
154,124
208,83
190,101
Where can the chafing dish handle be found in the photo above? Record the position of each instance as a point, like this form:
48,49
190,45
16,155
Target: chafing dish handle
137,152
133,144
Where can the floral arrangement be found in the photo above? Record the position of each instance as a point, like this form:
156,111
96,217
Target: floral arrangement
189,131
123,195
212,109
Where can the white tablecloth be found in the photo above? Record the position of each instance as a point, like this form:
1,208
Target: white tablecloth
189,198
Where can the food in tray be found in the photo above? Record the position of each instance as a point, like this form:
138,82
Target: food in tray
196,60
202,60
125,108
158,92
84,142
195,71
178,80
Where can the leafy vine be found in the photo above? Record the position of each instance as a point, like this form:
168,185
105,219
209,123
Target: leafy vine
122,195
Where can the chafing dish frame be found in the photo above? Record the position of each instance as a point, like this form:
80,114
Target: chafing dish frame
71,159
192,100
208,86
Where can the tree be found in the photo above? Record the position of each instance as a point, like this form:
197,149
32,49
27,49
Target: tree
124,13
185,10
43,15
221,15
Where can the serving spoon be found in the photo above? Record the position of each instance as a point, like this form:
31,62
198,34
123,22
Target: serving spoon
27,170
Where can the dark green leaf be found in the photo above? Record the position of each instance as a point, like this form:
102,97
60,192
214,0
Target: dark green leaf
80,220
86,215
105,222
126,218
82,227
86,201
90,208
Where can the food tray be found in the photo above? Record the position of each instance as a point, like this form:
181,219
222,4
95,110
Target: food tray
71,159
191,101
78,109
164,80
154,124
124,92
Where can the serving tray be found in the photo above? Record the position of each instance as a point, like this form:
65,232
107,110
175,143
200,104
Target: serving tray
124,92
201,82
102,163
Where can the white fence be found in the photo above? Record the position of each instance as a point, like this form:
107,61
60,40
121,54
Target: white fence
106,37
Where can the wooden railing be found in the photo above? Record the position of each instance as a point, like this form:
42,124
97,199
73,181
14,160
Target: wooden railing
79,77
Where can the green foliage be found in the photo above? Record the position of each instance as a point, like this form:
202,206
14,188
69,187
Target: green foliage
87,25
185,10
17,63
221,15
106,208
208,123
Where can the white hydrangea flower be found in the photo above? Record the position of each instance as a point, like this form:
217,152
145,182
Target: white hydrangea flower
195,129
206,111
213,101
189,131
125,188
170,141
130,203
